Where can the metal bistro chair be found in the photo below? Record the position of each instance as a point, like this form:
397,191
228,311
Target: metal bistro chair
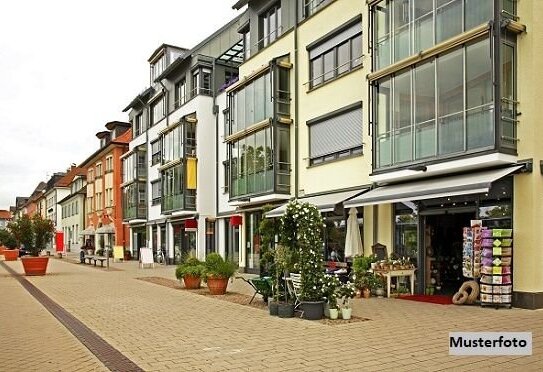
294,283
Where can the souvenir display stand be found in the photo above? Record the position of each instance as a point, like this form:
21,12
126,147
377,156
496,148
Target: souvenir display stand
496,282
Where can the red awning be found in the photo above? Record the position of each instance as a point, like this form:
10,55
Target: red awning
191,224
236,220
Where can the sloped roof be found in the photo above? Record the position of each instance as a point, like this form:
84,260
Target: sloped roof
5,215
68,178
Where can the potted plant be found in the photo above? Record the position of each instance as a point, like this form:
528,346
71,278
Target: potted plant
268,229
217,272
191,272
329,291
8,243
301,229
283,263
33,233
347,292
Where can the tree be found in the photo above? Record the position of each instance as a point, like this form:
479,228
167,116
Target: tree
22,231
7,239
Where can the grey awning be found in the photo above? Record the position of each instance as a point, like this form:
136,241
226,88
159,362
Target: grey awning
325,203
88,231
463,184
106,229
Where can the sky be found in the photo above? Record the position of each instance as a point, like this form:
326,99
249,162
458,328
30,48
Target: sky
68,67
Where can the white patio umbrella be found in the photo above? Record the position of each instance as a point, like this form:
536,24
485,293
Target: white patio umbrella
353,240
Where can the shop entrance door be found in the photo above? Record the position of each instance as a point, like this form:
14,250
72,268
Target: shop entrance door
443,251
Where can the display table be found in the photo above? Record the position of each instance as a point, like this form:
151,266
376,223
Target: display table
396,273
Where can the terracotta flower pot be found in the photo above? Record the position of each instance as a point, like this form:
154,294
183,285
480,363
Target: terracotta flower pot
11,254
217,286
192,282
35,265
366,292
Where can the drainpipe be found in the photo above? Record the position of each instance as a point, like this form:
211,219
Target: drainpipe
216,113
296,79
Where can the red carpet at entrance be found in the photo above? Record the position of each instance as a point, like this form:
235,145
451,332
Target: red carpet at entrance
434,299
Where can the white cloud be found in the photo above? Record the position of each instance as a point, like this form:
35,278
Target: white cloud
69,67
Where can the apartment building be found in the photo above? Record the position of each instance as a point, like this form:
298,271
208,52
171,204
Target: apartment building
5,218
73,212
103,206
448,83
169,173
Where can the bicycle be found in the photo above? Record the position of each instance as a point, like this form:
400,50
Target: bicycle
160,257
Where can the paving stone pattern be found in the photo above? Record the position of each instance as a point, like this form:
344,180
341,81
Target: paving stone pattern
160,329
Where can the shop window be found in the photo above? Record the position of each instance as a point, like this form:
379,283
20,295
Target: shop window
405,232
210,237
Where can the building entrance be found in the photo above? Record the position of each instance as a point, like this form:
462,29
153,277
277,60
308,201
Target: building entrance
443,251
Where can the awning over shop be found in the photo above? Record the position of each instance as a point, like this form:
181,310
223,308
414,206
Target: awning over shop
325,203
88,231
463,184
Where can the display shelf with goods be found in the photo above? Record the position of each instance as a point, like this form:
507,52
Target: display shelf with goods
496,283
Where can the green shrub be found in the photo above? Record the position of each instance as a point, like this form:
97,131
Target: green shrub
191,267
7,239
216,266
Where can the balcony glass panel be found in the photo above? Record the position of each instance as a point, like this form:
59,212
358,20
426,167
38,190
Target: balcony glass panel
451,134
448,19
480,127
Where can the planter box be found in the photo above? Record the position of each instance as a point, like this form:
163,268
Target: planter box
217,286
35,266
192,282
11,254
313,310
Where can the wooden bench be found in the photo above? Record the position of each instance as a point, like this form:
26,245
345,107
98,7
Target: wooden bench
95,259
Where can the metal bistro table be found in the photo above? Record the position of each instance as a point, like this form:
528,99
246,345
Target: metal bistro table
396,273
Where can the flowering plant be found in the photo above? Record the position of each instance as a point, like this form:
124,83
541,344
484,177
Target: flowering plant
301,230
347,292
330,287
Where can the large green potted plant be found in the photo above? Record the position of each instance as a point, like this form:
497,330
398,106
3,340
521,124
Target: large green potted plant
33,233
301,229
217,272
22,231
283,264
191,272
8,243
268,229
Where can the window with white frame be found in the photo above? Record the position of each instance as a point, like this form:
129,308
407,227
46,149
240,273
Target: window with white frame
336,55
158,67
109,164
156,152
138,125
180,93
157,110
99,169
270,25
156,191
336,135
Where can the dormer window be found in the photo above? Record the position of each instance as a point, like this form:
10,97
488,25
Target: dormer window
158,67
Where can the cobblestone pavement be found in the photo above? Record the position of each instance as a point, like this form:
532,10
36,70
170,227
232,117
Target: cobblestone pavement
160,328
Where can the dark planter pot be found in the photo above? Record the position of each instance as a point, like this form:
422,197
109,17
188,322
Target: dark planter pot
217,286
11,254
273,307
35,266
313,310
285,310
192,282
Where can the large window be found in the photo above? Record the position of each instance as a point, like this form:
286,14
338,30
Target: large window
508,95
210,237
259,99
252,164
201,81
179,142
440,107
270,26
157,110
138,125
180,93
156,192
134,201
251,104
335,136
246,37
135,166
158,67
405,27
175,195
336,55
156,152
311,6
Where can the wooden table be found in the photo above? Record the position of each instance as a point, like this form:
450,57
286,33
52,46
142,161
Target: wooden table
396,273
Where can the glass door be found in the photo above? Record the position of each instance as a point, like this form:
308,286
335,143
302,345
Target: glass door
253,242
